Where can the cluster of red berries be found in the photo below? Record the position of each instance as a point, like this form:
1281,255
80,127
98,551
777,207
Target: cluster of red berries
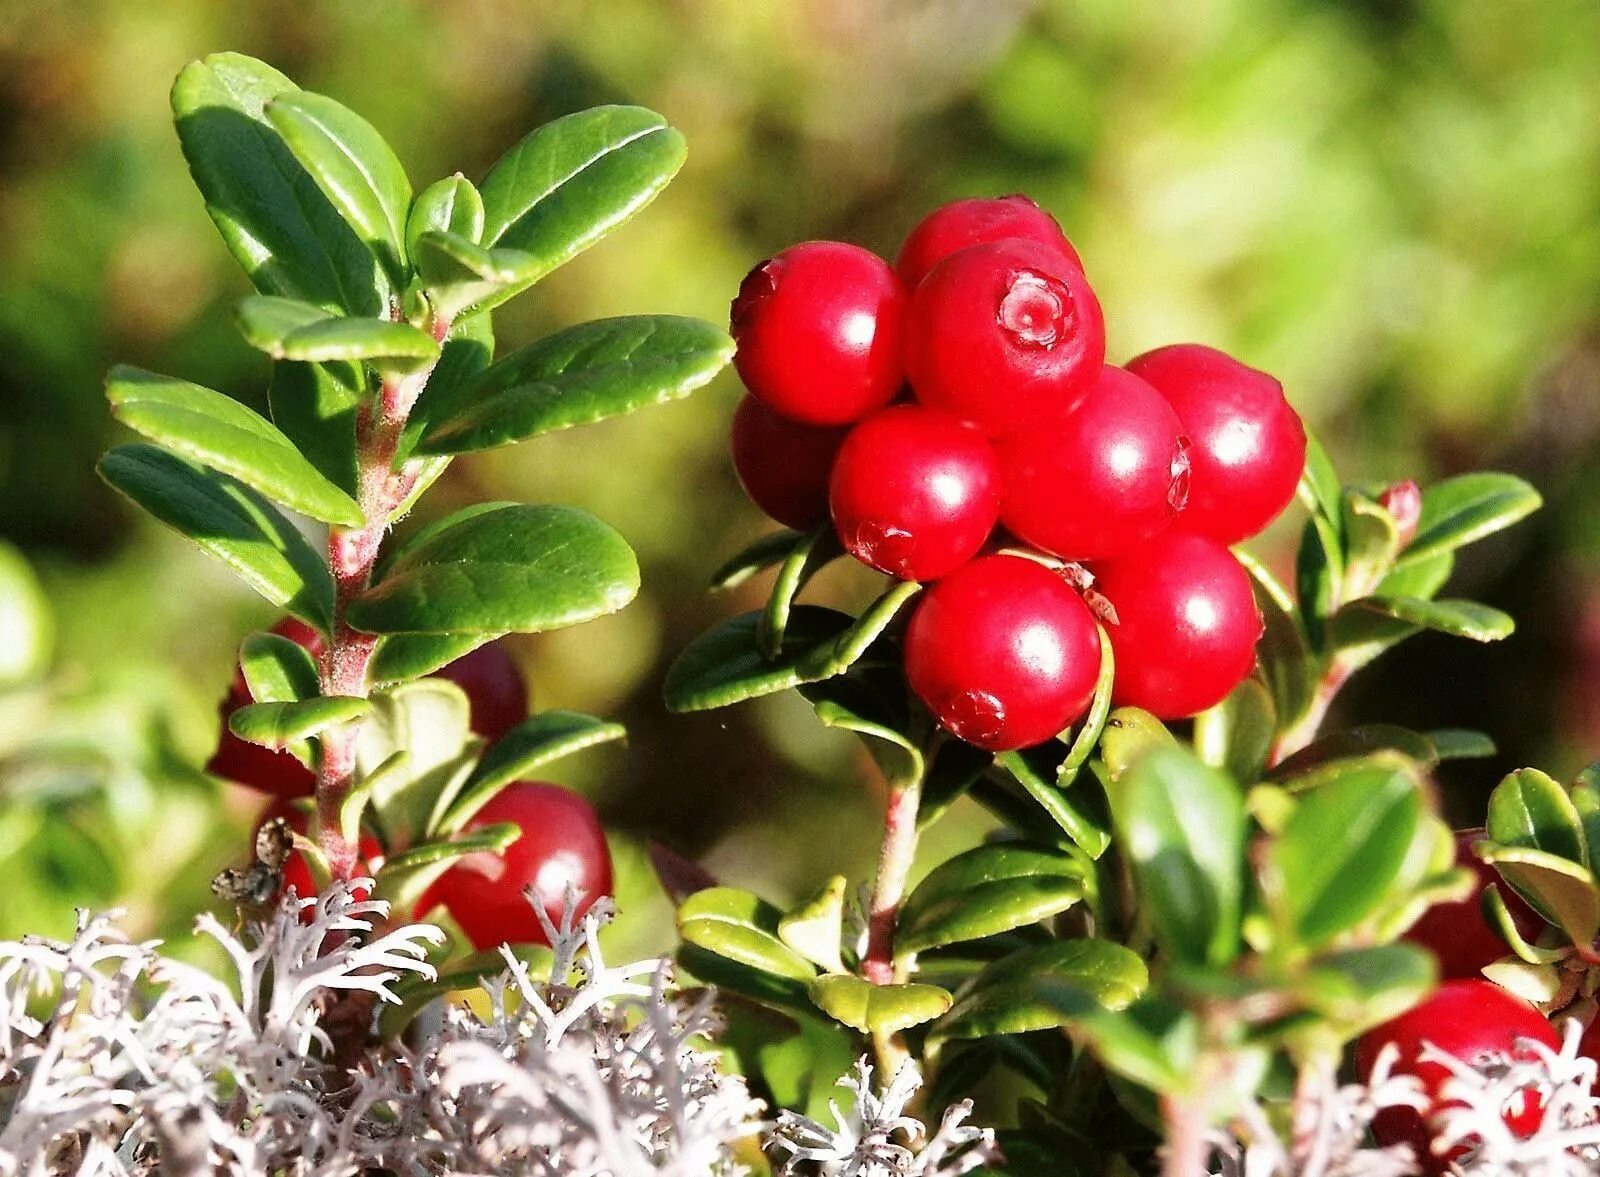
562,842
958,402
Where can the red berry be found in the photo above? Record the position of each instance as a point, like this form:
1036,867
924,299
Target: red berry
275,772
496,691
1004,335
1186,623
783,465
954,226
562,843
1093,483
1464,1019
1248,446
1457,933
914,493
819,328
1003,652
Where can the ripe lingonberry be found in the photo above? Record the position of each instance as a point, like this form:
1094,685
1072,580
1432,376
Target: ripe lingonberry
562,845
820,332
277,772
953,227
1457,933
497,694
1004,335
1464,1019
1098,481
915,492
1186,623
1247,445
784,465
1003,653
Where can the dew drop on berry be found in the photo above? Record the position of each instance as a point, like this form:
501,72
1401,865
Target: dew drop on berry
1036,310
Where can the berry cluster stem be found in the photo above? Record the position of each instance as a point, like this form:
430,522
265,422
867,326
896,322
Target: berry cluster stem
352,554
1303,730
879,965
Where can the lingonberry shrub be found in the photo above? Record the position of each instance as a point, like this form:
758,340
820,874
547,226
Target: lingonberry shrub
1214,913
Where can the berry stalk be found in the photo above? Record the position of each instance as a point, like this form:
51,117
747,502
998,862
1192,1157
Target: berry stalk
899,849
352,554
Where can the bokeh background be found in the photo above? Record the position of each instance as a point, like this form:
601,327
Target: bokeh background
1394,205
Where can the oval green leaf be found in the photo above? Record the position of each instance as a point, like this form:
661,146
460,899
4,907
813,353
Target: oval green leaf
989,890
1005,997
877,1009
276,725
530,745
742,927
724,665
1464,509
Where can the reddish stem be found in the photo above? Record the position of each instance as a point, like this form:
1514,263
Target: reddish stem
1304,729
894,867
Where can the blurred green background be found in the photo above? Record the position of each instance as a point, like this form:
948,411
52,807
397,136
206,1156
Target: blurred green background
1394,205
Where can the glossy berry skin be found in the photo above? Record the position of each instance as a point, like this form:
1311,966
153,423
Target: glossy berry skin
1004,335
496,691
1464,1019
276,772
1186,625
915,492
562,842
1003,653
819,329
784,465
953,227
1098,481
1457,934
1248,446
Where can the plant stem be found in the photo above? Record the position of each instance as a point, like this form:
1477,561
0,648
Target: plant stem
352,554
1300,733
894,866
1185,1120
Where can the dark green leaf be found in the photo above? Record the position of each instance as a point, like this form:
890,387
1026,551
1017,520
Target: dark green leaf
1089,732
403,656
742,927
1181,825
1004,998
808,557
1365,987
1562,891
1529,809
466,353
219,432
573,180
724,665
356,170
838,654
877,1009
266,320
277,670
1326,757
275,725
513,569
1319,484
459,273
731,976
1466,619
316,406
230,521
1288,665
1086,825
763,553
406,877
956,765
1343,848
1454,743
847,703
1153,1042
1420,578
450,205
1236,735
578,376
988,890
530,745
385,344
1464,509
270,212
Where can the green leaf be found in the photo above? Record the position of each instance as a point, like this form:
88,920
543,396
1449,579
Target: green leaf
1182,826
1324,758
355,168
877,1009
276,725
724,665
219,432
406,877
1130,733
277,670
578,376
266,320
988,890
1421,578
466,353
954,768
1365,987
229,520
316,406
429,721
450,205
405,656
742,927
814,929
1466,619
572,181
1560,890
1005,997
875,712
732,976
1236,735
1288,665
836,655
811,555
1319,485
1085,825
1152,1042
1454,743
385,344
1529,809
763,553
510,569
1465,509
533,743
458,273
1094,723
1345,844
270,212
